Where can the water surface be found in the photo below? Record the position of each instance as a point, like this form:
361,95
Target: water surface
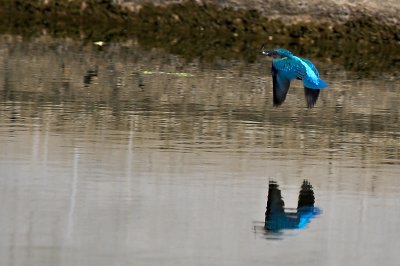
124,156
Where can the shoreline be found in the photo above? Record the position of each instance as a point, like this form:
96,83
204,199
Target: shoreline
206,30
294,11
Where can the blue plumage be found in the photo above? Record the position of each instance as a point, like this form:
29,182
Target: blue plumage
286,67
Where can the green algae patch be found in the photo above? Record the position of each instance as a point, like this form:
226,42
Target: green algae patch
205,31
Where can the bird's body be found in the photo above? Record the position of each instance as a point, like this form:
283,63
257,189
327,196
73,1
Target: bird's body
286,67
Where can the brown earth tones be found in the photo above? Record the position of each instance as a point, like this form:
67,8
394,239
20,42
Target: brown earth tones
333,32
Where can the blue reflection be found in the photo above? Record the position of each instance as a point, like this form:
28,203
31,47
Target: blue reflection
277,218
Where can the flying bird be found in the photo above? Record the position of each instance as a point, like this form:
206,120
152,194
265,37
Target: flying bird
286,67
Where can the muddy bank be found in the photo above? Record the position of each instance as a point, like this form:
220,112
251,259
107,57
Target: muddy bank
292,11
203,29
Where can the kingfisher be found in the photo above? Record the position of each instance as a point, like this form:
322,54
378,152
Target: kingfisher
286,67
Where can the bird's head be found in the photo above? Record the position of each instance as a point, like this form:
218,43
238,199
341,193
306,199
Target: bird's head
277,53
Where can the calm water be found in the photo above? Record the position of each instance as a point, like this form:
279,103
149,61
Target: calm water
120,156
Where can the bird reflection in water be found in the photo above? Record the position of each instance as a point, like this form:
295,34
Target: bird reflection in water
277,218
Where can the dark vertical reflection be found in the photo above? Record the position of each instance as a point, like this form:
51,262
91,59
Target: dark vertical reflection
277,218
89,76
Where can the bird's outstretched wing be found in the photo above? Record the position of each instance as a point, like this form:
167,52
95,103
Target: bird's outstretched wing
312,80
281,84
311,65
283,71
311,96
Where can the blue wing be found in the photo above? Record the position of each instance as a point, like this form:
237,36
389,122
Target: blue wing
311,83
283,71
311,65
289,68
281,86
311,90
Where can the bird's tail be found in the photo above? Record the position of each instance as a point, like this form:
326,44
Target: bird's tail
315,85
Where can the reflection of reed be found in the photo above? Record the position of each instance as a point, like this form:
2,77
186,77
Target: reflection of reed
277,218
89,76
227,104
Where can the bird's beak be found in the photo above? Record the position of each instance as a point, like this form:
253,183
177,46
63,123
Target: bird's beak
266,52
